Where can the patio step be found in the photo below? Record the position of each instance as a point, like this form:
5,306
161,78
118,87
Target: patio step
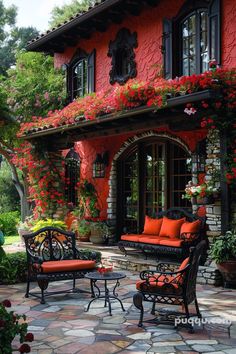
111,255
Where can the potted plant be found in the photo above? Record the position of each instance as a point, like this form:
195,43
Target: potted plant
99,232
24,227
203,193
84,230
223,252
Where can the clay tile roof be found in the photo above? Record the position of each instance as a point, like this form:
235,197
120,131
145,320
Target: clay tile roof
97,17
30,45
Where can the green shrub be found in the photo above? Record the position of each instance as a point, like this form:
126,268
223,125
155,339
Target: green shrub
89,254
9,222
13,268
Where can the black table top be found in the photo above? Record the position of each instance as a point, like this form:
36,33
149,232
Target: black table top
105,276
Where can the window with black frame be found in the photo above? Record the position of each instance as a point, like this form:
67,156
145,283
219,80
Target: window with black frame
191,40
72,176
81,74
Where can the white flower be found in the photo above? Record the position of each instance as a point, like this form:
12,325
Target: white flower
190,110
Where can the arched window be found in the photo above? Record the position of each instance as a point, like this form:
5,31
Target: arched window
80,74
72,176
192,39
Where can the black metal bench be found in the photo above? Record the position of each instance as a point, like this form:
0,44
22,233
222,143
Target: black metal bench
168,250
52,256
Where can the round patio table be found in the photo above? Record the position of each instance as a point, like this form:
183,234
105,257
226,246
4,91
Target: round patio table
105,293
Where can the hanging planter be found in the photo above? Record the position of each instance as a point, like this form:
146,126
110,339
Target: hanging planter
205,200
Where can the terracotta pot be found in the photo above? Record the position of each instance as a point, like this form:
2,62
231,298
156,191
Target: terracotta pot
228,271
84,238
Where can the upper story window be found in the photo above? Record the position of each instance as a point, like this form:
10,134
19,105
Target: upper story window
192,39
79,79
121,50
81,74
194,43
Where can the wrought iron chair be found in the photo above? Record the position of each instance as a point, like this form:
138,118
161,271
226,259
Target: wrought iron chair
170,287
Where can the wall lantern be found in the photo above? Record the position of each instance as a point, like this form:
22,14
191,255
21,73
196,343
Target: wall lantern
99,165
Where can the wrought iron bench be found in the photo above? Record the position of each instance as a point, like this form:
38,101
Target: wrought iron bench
52,256
177,246
169,287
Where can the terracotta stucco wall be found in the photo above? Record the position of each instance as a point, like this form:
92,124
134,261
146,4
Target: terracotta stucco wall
149,28
149,60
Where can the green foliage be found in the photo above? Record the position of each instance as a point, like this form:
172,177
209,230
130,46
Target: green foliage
13,268
7,17
34,86
224,247
9,222
49,222
65,12
16,40
89,254
84,228
9,198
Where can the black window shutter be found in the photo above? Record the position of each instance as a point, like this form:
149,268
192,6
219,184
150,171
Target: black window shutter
167,48
214,31
91,72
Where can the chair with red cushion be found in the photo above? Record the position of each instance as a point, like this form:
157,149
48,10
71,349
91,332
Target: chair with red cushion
51,256
170,287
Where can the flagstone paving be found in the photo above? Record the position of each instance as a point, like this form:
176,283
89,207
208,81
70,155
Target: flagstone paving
62,326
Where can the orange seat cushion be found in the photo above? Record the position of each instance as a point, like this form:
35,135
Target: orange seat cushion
190,227
171,227
66,265
152,226
131,237
172,242
167,283
155,240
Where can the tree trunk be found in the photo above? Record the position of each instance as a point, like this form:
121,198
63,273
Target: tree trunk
21,188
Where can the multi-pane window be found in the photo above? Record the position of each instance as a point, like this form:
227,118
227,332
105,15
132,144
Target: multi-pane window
195,48
72,176
81,74
80,81
192,39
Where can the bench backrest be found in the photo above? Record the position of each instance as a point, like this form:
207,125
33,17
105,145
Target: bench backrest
50,244
179,213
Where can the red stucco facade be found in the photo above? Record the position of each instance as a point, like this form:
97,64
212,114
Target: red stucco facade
148,56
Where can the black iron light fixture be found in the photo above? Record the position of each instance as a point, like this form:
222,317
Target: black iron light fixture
100,164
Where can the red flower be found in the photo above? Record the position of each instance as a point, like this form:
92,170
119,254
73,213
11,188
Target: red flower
29,337
6,303
24,348
2,323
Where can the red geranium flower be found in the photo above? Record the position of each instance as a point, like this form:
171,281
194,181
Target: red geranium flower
24,348
6,303
29,337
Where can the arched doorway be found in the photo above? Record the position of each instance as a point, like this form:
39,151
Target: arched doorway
151,176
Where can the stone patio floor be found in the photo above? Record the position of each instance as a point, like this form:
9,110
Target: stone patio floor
63,326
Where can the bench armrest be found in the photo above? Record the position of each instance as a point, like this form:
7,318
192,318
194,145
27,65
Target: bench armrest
154,275
190,236
167,267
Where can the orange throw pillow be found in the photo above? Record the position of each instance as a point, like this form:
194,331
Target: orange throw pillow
152,226
190,227
171,227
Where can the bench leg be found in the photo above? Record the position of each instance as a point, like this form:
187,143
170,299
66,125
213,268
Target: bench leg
43,284
73,283
138,302
27,288
197,308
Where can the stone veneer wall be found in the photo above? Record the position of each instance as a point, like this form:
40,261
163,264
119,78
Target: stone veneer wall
213,211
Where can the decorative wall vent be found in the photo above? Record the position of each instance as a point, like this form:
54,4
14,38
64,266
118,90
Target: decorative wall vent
121,50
